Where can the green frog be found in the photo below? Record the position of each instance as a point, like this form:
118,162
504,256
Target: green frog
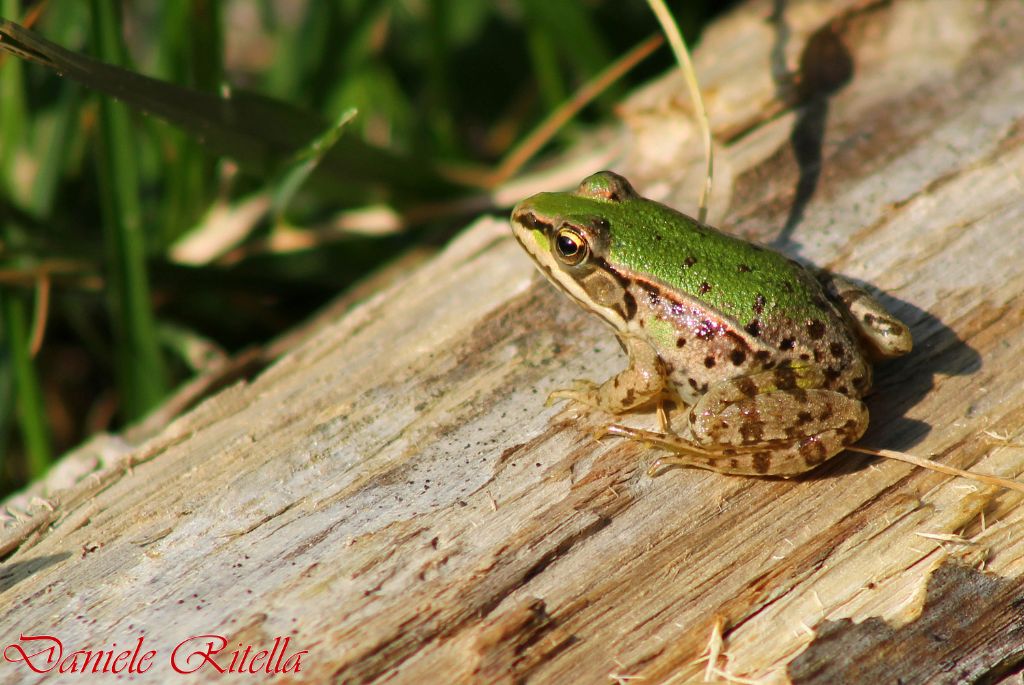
769,357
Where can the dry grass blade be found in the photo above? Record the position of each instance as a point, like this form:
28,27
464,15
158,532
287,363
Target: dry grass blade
675,40
941,468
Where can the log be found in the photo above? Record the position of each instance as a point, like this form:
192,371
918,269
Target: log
394,498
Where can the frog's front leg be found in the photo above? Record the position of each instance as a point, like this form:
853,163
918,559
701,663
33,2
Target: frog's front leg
640,383
777,423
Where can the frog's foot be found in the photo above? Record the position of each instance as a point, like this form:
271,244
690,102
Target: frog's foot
666,440
641,383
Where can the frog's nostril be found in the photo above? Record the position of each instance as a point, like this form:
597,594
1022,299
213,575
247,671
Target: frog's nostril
530,220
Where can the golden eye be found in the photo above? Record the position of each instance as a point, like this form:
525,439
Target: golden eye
571,247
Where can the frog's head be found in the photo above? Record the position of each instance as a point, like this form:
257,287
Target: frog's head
568,235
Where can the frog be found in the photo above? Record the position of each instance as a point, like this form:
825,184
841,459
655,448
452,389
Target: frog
767,359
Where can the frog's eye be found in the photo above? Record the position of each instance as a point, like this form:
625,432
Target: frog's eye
571,247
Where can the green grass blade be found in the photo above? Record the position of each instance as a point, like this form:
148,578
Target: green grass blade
258,132
306,162
29,407
138,357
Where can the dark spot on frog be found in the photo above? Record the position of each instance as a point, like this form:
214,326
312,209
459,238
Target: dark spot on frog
826,413
831,374
860,382
785,378
693,384
737,357
630,302
759,303
869,319
688,262
762,462
843,390
706,329
734,463
709,361
704,289
680,341
753,328
746,386
803,417
804,356
600,224
762,355
799,395
813,451
836,349
815,329
630,397
752,430
787,344
530,220
615,381
743,268
818,356
653,294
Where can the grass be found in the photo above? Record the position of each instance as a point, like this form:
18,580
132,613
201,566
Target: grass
311,141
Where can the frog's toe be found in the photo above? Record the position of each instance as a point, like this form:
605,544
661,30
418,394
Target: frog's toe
582,391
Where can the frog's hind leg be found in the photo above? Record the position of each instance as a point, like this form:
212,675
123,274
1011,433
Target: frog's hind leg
784,405
782,460
776,423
